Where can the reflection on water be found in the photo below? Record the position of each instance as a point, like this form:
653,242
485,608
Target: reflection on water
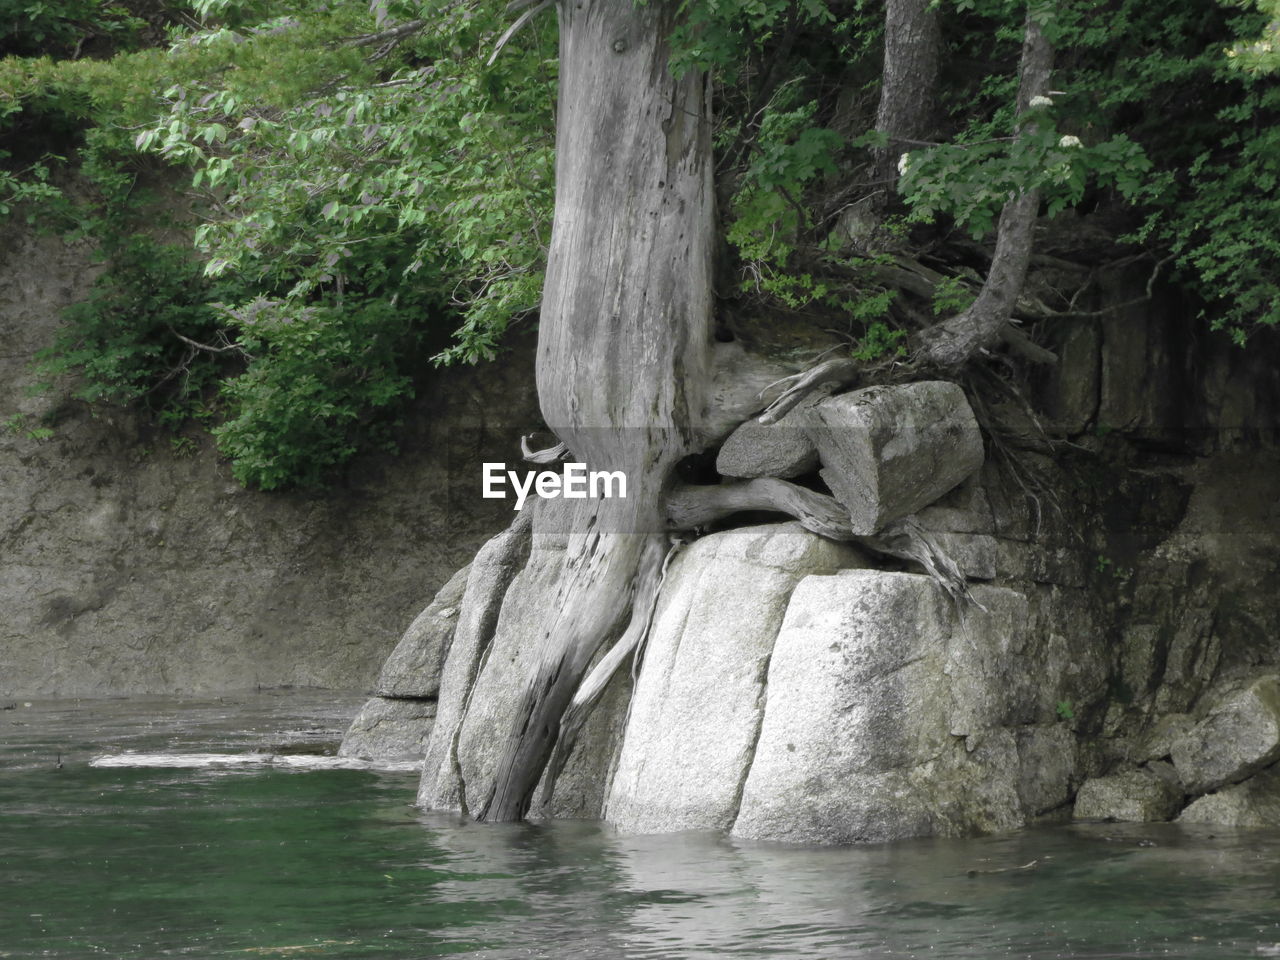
261,860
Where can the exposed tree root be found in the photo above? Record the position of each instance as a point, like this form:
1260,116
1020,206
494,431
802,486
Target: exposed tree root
690,507
907,540
652,573
595,594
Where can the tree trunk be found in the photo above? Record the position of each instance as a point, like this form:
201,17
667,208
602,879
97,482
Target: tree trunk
954,342
624,337
912,42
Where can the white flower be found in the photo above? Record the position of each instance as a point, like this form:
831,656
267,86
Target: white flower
1070,141
1040,102
904,161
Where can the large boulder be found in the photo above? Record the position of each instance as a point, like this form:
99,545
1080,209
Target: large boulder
1137,796
781,449
1238,736
889,716
888,451
414,667
389,729
700,694
1254,803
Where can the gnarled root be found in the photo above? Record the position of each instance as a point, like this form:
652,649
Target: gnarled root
689,506
594,595
907,540
653,570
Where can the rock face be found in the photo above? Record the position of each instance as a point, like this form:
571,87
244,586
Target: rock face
129,565
1238,737
783,449
886,716
698,704
787,702
1138,796
889,451
489,580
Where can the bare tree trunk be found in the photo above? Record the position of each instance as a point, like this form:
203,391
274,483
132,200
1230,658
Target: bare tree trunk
912,43
953,342
625,334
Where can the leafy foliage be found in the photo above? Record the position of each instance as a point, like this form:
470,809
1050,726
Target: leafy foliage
366,182
359,187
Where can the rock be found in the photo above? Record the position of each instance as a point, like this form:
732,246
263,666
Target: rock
488,582
890,451
500,680
1254,803
781,449
1158,741
1137,796
1073,381
387,729
414,667
1239,736
886,717
1046,766
700,695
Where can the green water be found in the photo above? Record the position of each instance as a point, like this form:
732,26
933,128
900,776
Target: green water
149,863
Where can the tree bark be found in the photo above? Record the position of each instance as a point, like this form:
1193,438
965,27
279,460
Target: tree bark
624,337
912,42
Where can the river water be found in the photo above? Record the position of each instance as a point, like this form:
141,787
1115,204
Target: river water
272,860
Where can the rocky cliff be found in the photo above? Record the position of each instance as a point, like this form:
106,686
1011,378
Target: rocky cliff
129,566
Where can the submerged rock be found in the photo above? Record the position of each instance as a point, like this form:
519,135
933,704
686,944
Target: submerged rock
700,696
390,729
1239,735
889,451
1137,796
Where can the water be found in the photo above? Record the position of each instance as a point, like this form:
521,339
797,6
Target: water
267,860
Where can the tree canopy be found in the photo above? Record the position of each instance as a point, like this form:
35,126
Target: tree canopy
301,206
